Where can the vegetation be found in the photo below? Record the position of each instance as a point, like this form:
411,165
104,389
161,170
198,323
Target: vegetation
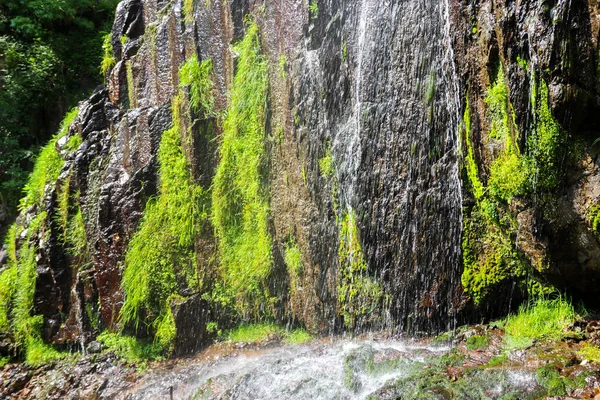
490,254
196,77
161,258
129,348
256,333
47,166
50,50
359,295
240,206
590,352
108,58
326,165
542,319
313,9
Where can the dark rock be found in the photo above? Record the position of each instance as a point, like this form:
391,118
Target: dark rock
94,347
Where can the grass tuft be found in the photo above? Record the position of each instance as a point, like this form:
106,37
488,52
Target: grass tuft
543,319
196,76
129,348
590,352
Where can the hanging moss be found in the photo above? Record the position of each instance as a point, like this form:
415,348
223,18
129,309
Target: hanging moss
359,295
497,102
130,83
196,76
108,59
546,143
470,164
240,197
161,258
47,166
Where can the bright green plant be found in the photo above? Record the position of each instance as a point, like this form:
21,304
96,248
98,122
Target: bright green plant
298,336
240,206
293,258
197,78
283,65
590,352
129,348
108,59
359,295
313,9
541,319
47,166
163,248
326,165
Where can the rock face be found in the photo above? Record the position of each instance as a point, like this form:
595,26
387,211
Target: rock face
422,162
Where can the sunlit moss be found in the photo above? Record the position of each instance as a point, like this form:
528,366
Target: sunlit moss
161,258
240,199
47,166
196,76
108,59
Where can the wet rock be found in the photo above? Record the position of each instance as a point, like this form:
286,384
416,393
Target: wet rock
95,347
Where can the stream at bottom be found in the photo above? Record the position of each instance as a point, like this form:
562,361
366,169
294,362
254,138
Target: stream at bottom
332,369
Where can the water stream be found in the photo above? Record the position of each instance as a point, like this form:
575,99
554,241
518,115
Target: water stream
324,369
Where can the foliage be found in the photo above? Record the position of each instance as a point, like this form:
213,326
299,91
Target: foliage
188,11
549,377
161,255
50,50
326,165
477,342
108,59
590,352
497,101
47,166
256,333
547,143
298,336
240,207
129,348
471,165
196,76
509,176
313,9
540,319
293,258
359,295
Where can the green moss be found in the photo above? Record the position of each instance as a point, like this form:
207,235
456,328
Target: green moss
129,348
161,258
293,258
283,65
47,166
313,9
39,353
498,360
344,52
470,164
197,77
76,236
541,319
298,336
590,352
73,143
240,206
546,144
255,333
8,278
188,11
522,63
108,59
490,257
497,102
359,295
509,176
161,255
326,165
478,342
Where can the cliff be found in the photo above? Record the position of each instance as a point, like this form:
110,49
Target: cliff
339,165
